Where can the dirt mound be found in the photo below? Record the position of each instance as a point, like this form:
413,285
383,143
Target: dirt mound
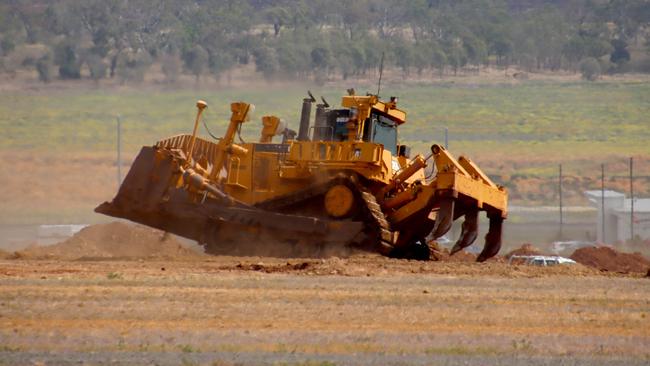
5,254
442,255
525,249
610,259
113,240
378,265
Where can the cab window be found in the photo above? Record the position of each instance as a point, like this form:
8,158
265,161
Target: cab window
382,131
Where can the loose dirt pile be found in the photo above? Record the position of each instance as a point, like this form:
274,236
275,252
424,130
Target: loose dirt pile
526,249
113,240
609,259
377,265
443,255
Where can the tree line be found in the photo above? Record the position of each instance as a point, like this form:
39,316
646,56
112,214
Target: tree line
320,39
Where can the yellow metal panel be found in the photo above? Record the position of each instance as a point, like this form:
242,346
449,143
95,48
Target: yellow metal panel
475,171
473,188
421,202
364,103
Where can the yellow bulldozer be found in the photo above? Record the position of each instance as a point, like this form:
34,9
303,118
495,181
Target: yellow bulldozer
341,183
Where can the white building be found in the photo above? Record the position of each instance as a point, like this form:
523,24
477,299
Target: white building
617,214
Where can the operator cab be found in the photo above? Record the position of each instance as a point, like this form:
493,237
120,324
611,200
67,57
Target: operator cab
378,128
364,116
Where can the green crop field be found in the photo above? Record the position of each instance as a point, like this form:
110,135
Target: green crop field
518,133
578,119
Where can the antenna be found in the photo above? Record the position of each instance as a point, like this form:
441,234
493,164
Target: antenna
381,72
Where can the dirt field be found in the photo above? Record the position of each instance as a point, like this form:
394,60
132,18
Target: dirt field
362,310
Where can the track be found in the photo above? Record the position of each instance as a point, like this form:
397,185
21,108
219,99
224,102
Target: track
378,234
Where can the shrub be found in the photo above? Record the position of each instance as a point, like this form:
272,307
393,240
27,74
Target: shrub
132,65
620,54
66,57
6,46
590,69
44,68
97,67
196,60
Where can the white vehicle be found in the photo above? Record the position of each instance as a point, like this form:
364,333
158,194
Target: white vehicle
541,260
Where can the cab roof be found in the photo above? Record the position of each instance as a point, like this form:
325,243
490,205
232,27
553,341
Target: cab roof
372,102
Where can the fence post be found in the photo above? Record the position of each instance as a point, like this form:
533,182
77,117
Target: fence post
602,201
119,151
560,190
446,138
631,199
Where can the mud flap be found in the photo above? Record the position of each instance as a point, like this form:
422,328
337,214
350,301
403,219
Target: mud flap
492,239
468,233
444,218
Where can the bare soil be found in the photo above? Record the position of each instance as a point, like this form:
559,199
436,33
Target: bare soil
362,310
103,297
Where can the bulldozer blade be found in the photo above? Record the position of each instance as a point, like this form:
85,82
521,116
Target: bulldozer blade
146,197
468,233
444,218
492,239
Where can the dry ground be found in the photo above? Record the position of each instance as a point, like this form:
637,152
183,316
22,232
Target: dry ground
364,310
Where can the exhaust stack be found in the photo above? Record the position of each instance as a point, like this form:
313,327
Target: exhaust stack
305,116
321,131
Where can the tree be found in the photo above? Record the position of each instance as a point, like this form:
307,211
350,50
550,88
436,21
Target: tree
320,36
44,67
620,55
97,67
438,59
590,69
196,60
294,55
475,50
6,45
66,57
320,63
320,58
171,67
220,61
278,16
503,48
456,56
405,57
266,61
421,57
132,65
